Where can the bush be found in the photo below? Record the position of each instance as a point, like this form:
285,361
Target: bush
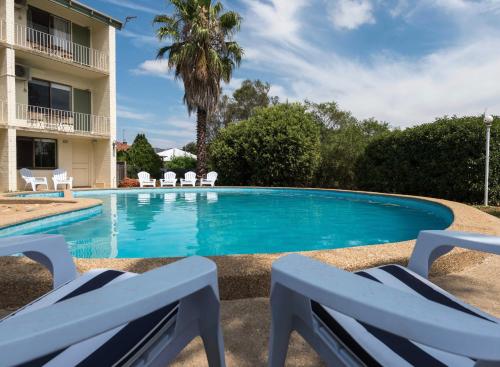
181,165
142,157
129,182
277,146
444,159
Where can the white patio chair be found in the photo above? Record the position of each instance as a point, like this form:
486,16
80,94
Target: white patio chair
189,179
385,316
31,180
60,177
145,180
109,317
210,180
169,179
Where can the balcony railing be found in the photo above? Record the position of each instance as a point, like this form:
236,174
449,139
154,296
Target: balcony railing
58,47
42,118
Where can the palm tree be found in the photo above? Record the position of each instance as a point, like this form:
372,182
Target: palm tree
202,53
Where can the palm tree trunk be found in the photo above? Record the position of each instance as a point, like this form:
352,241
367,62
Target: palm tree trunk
201,142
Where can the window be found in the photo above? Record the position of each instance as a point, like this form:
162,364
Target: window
44,22
36,153
49,95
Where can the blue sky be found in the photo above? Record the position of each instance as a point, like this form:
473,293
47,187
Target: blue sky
405,62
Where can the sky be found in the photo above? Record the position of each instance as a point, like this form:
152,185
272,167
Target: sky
404,62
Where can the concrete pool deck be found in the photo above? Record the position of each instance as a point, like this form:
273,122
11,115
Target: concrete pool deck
244,283
248,276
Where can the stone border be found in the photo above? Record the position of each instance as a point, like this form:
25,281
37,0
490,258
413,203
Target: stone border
67,204
246,276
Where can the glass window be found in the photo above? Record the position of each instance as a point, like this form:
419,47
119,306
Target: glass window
39,20
60,97
49,95
39,93
24,153
36,153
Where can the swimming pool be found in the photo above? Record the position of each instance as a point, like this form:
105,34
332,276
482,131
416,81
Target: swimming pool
181,222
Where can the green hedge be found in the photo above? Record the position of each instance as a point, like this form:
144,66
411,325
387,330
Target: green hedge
444,159
277,146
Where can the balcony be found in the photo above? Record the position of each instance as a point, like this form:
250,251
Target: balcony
56,47
49,119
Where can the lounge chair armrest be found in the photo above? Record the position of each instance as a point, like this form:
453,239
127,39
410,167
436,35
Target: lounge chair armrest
49,250
37,333
387,308
433,244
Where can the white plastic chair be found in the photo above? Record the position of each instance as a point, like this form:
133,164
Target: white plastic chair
31,180
108,317
210,180
145,180
60,177
389,315
189,179
169,179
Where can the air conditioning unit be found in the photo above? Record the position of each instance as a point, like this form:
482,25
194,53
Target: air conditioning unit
20,3
23,72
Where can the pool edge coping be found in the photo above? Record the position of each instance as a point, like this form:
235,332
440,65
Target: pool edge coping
245,276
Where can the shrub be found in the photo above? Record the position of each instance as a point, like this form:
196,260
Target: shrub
129,182
444,159
181,165
142,157
277,146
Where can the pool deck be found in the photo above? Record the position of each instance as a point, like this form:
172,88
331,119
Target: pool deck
248,276
244,282
18,210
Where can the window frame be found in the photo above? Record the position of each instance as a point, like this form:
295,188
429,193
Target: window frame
50,82
33,155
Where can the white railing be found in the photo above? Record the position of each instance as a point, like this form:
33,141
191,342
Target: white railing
43,118
60,48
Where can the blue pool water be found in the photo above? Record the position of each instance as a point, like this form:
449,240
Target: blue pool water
180,222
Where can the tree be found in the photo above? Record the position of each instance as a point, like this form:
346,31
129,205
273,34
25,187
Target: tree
443,159
243,103
202,53
248,97
277,146
343,140
190,147
142,157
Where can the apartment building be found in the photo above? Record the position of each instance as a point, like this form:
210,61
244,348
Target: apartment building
57,92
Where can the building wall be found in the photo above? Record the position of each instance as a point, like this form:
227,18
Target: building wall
74,152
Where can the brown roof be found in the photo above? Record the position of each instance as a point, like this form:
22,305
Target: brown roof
121,147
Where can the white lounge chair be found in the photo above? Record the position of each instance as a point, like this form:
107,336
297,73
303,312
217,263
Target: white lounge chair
210,180
169,179
388,316
108,317
60,177
189,179
145,180
31,180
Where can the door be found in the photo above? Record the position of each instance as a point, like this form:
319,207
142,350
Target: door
82,151
81,44
82,106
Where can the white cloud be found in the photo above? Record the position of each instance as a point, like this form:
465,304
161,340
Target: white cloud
158,68
351,14
133,5
457,80
130,114
139,40
276,20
